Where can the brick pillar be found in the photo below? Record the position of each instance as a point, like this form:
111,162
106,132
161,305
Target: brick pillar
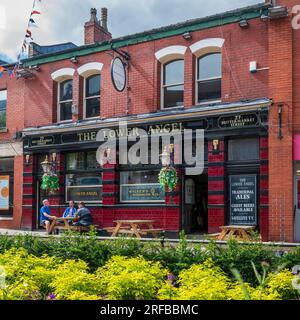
216,188
29,194
264,189
189,79
281,219
110,182
77,96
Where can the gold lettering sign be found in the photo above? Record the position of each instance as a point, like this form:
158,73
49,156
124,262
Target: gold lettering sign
131,132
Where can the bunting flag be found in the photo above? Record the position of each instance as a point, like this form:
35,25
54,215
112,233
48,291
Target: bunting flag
34,12
27,40
32,23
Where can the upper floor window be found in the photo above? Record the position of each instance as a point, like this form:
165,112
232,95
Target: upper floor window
173,84
3,98
65,95
209,75
92,96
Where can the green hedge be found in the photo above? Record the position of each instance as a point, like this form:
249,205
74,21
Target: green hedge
174,258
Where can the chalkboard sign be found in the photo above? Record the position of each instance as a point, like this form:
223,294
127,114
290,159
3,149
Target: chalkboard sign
243,200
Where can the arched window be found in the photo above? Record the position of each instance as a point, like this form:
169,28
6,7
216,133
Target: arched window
209,76
92,96
173,84
65,100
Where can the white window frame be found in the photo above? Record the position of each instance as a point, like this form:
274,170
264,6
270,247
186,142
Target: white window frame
206,79
85,98
162,86
3,128
64,101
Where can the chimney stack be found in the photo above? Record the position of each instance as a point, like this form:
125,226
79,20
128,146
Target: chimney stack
104,15
96,31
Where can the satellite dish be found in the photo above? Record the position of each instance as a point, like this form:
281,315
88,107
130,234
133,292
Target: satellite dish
118,74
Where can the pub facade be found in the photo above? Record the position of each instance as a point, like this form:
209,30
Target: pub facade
219,74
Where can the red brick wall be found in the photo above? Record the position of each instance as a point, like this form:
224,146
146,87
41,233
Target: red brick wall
14,123
280,151
144,74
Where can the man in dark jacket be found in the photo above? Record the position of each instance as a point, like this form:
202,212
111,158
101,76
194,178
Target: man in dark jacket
83,216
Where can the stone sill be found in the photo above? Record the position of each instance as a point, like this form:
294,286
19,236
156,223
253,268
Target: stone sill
3,130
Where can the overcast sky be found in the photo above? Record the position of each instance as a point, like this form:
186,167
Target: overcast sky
62,20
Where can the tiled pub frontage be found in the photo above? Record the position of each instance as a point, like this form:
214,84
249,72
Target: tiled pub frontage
233,186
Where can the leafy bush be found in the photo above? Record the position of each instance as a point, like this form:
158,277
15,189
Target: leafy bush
241,256
281,284
72,282
130,278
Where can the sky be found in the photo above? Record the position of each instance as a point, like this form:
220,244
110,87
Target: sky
63,20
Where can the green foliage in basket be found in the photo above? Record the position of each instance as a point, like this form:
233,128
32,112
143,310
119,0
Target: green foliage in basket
168,179
50,182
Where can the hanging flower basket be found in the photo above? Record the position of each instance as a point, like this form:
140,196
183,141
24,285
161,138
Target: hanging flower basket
50,182
168,179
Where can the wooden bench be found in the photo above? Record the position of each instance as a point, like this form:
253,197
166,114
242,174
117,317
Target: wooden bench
81,229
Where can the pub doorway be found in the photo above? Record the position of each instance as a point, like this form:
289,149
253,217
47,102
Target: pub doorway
195,208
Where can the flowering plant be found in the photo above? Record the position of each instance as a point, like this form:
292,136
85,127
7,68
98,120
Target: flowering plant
168,178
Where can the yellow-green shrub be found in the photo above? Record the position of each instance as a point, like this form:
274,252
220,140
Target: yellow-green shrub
200,282
280,284
124,278
72,282
27,276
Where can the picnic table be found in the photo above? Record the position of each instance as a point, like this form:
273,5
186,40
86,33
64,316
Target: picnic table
62,223
242,233
133,228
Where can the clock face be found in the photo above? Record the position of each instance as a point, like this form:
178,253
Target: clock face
118,74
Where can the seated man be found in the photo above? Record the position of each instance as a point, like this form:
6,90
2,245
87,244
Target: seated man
46,217
83,216
70,211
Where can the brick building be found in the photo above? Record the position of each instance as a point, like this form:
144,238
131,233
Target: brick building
233,74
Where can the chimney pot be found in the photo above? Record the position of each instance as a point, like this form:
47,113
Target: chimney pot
93,15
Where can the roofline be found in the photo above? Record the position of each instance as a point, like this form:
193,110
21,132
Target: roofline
233,16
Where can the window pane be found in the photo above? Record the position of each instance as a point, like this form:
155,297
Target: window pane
243,149
6,165
3,98
173,96
84,187
174,72
209,90
75,161
140,186
93,86
210,66
66,90
66,111
91,161
86,179
92,107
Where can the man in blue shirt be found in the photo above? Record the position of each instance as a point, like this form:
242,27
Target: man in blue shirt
70,212
46,217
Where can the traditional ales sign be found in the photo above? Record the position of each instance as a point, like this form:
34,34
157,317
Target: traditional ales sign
243,200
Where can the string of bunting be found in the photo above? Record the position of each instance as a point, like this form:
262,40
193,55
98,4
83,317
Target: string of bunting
11,72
